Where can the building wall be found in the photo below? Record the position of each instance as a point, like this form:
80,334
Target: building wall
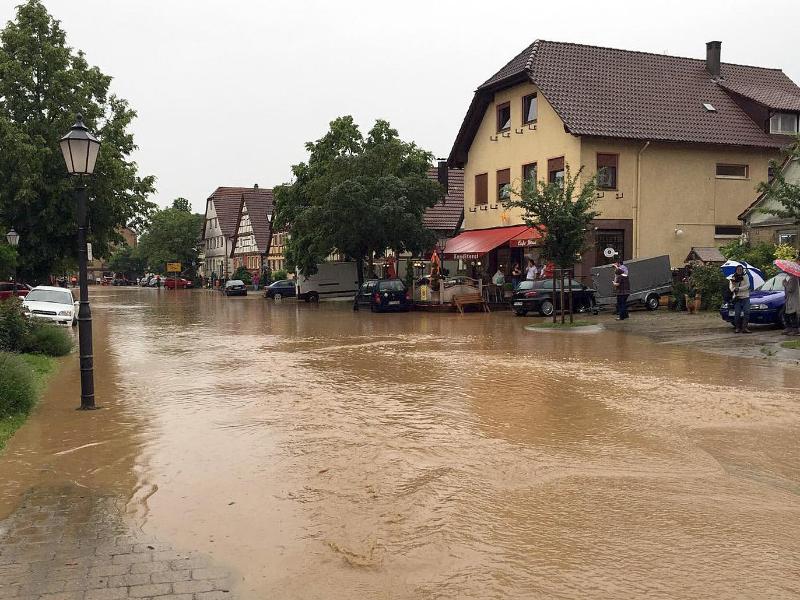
277,257
548,140
217,246
679,186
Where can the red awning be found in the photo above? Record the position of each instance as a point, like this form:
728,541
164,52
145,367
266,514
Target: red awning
471,245
529,237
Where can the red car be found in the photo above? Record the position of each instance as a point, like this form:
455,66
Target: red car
7,290
180,283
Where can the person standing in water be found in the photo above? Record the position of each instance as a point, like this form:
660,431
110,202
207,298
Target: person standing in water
739,285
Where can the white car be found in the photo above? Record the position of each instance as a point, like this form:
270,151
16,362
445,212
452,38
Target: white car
51,304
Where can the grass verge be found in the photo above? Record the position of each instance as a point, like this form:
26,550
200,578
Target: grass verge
559,325
42,367
793,345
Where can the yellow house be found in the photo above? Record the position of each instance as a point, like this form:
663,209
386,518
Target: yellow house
679,146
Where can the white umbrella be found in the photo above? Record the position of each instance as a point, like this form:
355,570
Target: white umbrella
756,276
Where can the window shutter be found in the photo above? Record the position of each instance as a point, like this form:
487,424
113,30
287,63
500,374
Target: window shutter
503,177
481,189
606,160
555,164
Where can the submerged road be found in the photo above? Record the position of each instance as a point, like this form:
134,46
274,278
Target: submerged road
311,452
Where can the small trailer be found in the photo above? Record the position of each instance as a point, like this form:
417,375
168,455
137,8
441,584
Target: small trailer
650,278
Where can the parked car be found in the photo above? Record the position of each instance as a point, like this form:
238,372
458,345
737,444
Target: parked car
539,296
332,280
121,281
235,287
51,304
180,283
9,289
766,304
383,294
285,288
156,280
650,278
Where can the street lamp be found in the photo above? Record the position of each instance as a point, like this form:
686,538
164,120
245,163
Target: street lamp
12,237
80,149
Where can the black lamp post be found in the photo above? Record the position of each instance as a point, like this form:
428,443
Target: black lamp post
12,237
80,149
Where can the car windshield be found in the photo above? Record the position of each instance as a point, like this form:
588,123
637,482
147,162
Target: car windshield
50,296
282,283
233,282
394,285
770,285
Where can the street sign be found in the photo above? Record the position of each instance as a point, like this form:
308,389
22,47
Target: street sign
173,267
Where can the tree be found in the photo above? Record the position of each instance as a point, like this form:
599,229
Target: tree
8,261
173,235
43,85
785,193
127,260
561,212
356,196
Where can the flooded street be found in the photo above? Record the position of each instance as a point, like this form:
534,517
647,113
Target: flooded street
320,453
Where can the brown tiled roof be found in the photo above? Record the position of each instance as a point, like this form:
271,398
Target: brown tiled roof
448,213
774,91
259,203
228,204
637,95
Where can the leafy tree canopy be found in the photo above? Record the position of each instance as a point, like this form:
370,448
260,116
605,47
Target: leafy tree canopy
43,85
356,195
8,261
173,235
560,211
127,260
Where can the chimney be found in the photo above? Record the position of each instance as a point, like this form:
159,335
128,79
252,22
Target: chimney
255,186
713,51
442,174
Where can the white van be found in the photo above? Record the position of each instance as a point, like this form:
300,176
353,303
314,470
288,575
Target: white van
332,280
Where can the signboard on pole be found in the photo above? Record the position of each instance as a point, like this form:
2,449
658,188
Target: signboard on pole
173,267
89,256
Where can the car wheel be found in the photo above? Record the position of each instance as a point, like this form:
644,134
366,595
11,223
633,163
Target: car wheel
277,296
652,302
521,313
546,308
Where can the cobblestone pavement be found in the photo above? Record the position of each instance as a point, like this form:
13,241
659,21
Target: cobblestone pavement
65,544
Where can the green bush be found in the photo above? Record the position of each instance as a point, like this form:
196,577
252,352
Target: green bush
48,339
17,385
244,275
14,326
278,275
709,282
679,291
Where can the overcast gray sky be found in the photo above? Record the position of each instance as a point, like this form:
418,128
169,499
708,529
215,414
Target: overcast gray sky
229,91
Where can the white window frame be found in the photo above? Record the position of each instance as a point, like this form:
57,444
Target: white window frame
783,131
746,171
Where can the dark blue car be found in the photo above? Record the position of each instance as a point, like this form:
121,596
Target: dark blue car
766,304
285,288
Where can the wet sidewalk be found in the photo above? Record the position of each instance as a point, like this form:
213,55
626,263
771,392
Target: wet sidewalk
61,544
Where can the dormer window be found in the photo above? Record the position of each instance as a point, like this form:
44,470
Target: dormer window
504,117
783,123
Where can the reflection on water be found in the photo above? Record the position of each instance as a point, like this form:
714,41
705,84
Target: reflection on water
330,454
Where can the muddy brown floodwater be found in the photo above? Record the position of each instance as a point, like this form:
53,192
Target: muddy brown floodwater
321,453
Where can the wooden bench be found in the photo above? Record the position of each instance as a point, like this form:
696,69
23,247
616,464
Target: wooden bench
462,300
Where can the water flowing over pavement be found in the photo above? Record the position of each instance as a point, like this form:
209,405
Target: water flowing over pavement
313,452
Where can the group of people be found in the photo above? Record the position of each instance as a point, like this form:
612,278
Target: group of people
532,273
739,286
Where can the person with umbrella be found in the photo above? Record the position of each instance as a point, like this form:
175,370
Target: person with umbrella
791,288
739,285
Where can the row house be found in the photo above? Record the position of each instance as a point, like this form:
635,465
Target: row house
679,146
219,230
253,229
760,222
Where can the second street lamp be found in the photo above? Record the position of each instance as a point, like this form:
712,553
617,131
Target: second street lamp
80,149
12,237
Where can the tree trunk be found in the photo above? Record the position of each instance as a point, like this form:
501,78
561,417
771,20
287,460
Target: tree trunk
360,271
570,277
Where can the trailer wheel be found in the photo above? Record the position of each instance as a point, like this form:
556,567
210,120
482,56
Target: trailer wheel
652,302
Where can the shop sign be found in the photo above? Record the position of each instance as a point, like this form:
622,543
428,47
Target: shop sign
467,256
425,293
523,243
